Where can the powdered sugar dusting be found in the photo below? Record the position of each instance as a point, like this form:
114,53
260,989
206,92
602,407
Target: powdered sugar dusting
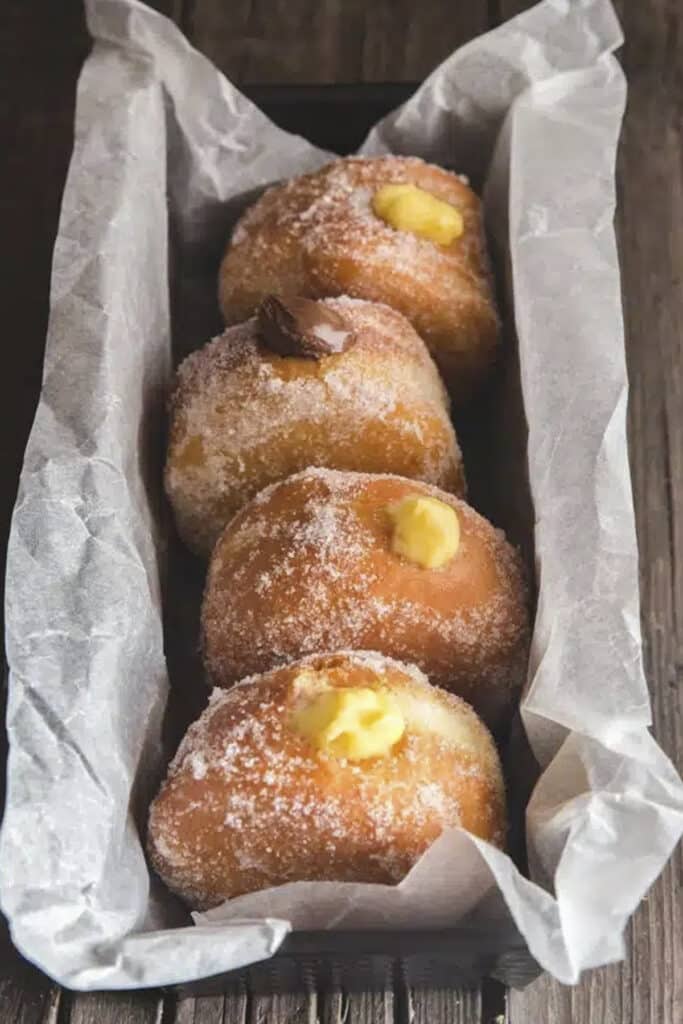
334,338
318,235
323,577
269,808
242,417
197,765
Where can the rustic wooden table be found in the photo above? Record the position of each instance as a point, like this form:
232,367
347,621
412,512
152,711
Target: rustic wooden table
42,46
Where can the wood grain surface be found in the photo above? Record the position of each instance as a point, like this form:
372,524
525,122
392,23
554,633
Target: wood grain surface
648,986
330,41
266,41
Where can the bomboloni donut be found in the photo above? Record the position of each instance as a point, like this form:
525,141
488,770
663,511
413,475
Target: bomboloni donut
328,560
391,229
340,383
342,767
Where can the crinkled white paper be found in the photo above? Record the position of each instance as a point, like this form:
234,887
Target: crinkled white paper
535,108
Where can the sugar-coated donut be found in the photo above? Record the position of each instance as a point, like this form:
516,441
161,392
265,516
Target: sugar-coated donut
314,563
252,407
321,234
252,800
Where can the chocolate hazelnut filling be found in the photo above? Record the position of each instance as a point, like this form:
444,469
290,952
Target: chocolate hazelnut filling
302,327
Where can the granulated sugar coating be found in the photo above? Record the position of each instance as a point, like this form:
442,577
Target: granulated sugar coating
243,417
308,566
250,803
317,235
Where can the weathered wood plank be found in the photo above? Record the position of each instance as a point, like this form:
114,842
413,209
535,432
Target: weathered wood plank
206,1010
327,41
232,1008
648,987
290,1008
235,1008
431,1005
607,995
256,42
359,1008
113,1007
26,995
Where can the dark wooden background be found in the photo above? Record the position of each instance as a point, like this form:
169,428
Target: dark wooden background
42,46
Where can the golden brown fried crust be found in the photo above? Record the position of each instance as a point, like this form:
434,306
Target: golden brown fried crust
316,235
243,417
249,803
308,566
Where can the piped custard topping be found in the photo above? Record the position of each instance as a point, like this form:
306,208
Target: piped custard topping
353,723
426,531
409,208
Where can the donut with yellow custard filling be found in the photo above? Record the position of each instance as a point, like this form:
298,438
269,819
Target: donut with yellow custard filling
327,560
391,229
341,767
